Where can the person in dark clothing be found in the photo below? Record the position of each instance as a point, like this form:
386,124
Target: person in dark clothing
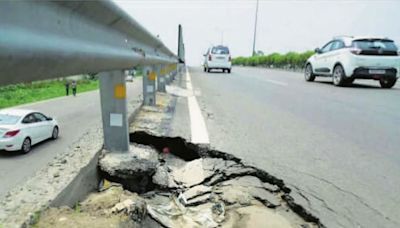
67,87
73,85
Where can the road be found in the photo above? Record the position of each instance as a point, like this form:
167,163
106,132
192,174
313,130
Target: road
336,147
76,116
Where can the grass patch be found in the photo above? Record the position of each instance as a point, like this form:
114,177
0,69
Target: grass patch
77,208
35,219
18,94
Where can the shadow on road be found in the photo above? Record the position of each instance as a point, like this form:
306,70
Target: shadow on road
357,86
11,154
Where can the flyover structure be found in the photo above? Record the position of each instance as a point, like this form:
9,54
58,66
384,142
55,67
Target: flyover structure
52,39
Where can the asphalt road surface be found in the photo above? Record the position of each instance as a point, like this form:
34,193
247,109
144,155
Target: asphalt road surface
338,148
75,115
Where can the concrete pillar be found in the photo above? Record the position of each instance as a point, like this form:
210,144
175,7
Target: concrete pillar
114,110
149,86
161,79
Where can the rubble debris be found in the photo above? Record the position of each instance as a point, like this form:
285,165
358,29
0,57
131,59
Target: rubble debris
199,188
192,179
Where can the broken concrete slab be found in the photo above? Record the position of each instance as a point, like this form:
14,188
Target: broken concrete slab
197,191
267,198
163,179
131,169
191,174
186,183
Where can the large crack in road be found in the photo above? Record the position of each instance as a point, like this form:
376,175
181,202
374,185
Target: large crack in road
195,176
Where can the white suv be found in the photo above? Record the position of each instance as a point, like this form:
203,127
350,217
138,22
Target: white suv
217,57
349,58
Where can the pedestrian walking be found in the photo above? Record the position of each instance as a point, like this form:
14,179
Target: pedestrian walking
67,87
73,86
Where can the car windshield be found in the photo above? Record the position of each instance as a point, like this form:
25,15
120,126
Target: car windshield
371,44
6,119
220,50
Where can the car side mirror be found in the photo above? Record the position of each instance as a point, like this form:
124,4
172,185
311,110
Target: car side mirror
49,118
317,50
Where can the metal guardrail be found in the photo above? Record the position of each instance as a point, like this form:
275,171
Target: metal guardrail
48,39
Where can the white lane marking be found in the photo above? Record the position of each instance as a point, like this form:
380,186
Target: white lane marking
197,125
276,82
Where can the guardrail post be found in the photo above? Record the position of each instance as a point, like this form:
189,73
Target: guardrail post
167,75
173,71
114,110
149,86
161,79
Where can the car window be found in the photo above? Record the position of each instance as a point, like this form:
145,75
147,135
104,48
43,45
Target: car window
40,117
29,119
337,45
6,119
327,47
220,50
376,47
371,44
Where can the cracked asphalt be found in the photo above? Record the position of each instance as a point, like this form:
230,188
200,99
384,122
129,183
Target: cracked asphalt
336,148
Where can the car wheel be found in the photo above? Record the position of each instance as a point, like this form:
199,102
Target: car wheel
338,76
26,146
54,135
229,71
308,73
387,83
208,70
223,70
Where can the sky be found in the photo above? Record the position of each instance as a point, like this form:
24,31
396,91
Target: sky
283,25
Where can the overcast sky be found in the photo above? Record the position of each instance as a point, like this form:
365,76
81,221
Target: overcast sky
283,25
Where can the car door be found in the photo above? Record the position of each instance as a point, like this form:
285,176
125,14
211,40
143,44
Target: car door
30,127
332,55
320,64
44,126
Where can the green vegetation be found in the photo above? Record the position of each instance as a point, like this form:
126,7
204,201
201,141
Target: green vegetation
275,60
18,94
77,208
35,218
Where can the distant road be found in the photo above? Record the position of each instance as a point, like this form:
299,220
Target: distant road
338,148
76,116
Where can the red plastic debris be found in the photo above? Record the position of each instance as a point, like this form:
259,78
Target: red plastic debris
165,150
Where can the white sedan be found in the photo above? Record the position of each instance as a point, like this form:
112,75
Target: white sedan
20,129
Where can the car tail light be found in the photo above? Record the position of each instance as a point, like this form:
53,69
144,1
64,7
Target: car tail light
355,51
230,59
10,134
209,57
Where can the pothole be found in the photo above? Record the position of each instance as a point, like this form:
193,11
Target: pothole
168,182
